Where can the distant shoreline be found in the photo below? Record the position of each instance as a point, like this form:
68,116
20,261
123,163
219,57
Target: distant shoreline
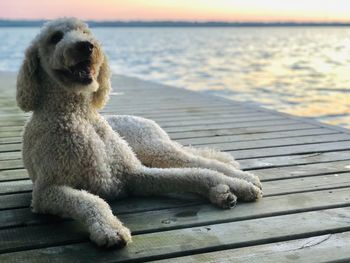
38,23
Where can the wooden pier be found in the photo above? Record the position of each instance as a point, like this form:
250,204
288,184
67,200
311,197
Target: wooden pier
304,166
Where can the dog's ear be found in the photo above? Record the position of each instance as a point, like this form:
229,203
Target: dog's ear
28,80
100,97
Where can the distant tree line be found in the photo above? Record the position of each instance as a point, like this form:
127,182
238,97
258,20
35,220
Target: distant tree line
38,23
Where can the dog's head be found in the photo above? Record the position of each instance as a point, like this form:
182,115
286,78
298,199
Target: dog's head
68,53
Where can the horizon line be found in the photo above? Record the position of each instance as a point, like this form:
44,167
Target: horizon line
147,23
177,20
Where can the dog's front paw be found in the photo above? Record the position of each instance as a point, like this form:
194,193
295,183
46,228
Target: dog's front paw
243,189
254,180
235,164
109,235
221,196
250,193
247,176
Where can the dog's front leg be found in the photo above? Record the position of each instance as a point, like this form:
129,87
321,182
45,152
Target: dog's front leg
218,188
104,228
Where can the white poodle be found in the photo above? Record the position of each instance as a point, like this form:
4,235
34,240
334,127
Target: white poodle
76,158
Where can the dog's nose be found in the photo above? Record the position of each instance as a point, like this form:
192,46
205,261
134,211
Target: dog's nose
85,47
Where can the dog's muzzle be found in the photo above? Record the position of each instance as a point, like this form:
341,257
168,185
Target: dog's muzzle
82,72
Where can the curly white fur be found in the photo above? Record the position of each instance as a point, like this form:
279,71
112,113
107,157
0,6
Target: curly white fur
76,158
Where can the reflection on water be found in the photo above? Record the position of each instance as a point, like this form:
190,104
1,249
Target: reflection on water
303,71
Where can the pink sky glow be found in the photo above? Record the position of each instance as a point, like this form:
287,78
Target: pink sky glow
191,10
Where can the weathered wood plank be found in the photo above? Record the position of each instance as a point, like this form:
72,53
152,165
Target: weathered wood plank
279,142
227,125
5,156
10,175
206,141
325,248
294,149
4,122
10,140
9,134
160,100
198,116
11,164
10,147
278,173
286,126
153,114
215,120
194,101
171,243
164,111
291,160
166,108
12,201
11,128
12,187
296,185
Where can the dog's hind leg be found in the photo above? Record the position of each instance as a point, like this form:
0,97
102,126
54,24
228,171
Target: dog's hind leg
213,154
105,229
218,188
154,148
171,154
143,133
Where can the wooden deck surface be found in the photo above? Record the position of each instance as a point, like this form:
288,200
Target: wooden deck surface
304,166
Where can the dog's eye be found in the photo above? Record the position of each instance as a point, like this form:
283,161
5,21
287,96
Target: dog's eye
56,37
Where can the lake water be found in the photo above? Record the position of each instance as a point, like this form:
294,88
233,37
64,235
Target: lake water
304,71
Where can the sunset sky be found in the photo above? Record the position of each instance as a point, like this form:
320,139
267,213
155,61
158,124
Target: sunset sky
192,10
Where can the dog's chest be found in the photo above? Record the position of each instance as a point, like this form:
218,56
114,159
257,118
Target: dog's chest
99,169
118,153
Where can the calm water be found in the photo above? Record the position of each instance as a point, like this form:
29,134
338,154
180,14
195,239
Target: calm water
303,71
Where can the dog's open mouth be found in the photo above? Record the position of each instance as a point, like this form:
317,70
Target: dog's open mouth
81,72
